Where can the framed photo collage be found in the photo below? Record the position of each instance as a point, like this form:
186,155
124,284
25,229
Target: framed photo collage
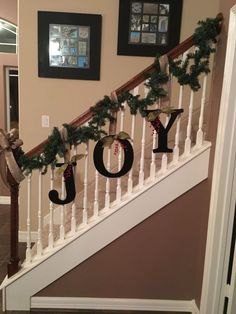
148,27
149,23
69,44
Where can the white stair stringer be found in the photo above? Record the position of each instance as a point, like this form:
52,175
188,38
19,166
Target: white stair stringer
110,225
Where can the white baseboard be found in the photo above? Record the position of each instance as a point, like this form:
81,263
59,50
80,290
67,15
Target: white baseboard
114,304
195,309
23,236
5,200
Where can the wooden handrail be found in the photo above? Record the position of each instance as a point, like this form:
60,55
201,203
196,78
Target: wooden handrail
135,81
140,77
80,120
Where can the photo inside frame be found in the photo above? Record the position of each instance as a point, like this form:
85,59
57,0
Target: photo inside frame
149,23
148,27
69,46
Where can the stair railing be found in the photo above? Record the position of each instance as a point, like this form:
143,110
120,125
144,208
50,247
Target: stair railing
97,195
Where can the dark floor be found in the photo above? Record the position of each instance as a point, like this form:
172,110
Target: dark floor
4,257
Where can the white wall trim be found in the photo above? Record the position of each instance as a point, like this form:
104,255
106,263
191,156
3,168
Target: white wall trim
3,300
5,200
195,309
113,304
23,236
220,216
109,226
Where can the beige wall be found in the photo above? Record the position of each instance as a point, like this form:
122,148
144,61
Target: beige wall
157,259
8,11
194,11
64,99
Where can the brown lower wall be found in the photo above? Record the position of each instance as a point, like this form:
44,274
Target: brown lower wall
156,259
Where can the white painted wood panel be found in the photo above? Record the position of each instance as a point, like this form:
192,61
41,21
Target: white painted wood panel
117,221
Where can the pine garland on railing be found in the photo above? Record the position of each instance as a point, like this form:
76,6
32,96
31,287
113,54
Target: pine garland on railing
187,73
197,62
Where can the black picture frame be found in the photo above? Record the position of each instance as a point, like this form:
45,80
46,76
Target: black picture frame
148,27
69,45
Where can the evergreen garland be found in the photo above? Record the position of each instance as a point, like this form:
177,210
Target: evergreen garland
197,62
187,73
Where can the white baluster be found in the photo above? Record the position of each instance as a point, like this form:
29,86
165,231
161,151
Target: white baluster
107,195
51,209
28,222
177,134
176,147
130,178
153,161
164,163
153,157
62,218
187,147
141,170
73,207
73,220
118,187
199,139
39,242
85,198
95,204
164,159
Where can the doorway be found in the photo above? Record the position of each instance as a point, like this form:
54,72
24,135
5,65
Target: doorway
12,102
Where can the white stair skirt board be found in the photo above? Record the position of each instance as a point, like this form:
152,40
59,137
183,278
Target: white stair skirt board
108,227
5,200
114,304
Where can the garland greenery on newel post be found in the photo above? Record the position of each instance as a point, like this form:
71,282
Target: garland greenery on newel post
187,73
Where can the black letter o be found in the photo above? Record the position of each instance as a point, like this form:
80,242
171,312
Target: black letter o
128,159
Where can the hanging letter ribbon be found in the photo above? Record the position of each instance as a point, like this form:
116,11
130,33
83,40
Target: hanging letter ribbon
162,131
69,186
67,169
164,67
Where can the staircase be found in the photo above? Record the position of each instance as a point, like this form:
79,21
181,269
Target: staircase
106,208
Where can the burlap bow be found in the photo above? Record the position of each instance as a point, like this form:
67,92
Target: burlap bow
113,124
8,142
64,137
164,65
67,155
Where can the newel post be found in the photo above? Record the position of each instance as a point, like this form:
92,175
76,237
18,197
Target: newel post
14,262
